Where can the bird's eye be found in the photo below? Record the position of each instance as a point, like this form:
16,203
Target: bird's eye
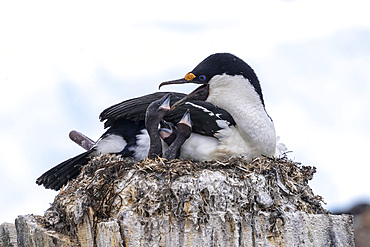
202,77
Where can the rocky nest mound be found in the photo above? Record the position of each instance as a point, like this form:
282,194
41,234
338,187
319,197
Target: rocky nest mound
110,185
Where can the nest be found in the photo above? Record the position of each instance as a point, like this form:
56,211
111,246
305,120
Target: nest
110,184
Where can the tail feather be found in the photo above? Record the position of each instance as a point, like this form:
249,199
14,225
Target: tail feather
57,182
59,175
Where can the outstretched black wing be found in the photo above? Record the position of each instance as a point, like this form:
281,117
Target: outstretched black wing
206,117
134,109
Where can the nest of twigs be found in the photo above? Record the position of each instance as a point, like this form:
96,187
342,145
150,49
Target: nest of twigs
110,184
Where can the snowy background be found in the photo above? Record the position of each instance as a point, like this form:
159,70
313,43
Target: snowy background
62,63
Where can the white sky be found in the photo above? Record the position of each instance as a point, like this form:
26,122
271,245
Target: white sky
62,63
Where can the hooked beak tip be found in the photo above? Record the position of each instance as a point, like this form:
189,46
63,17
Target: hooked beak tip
160,85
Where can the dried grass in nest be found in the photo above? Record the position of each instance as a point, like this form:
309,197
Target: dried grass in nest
286,182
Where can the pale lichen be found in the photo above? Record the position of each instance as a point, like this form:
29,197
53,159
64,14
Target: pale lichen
109,186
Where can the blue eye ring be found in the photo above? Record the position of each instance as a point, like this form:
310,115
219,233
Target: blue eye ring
202,78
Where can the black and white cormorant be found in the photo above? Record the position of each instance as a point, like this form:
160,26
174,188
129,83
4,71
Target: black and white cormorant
227,112
231,84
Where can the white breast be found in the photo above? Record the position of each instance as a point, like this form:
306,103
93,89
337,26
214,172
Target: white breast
227,143
254,134
110,144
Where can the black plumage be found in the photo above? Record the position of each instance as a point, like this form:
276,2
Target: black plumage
203,114
59,175
127,120
134,109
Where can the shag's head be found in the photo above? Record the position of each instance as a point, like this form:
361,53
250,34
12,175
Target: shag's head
216,64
